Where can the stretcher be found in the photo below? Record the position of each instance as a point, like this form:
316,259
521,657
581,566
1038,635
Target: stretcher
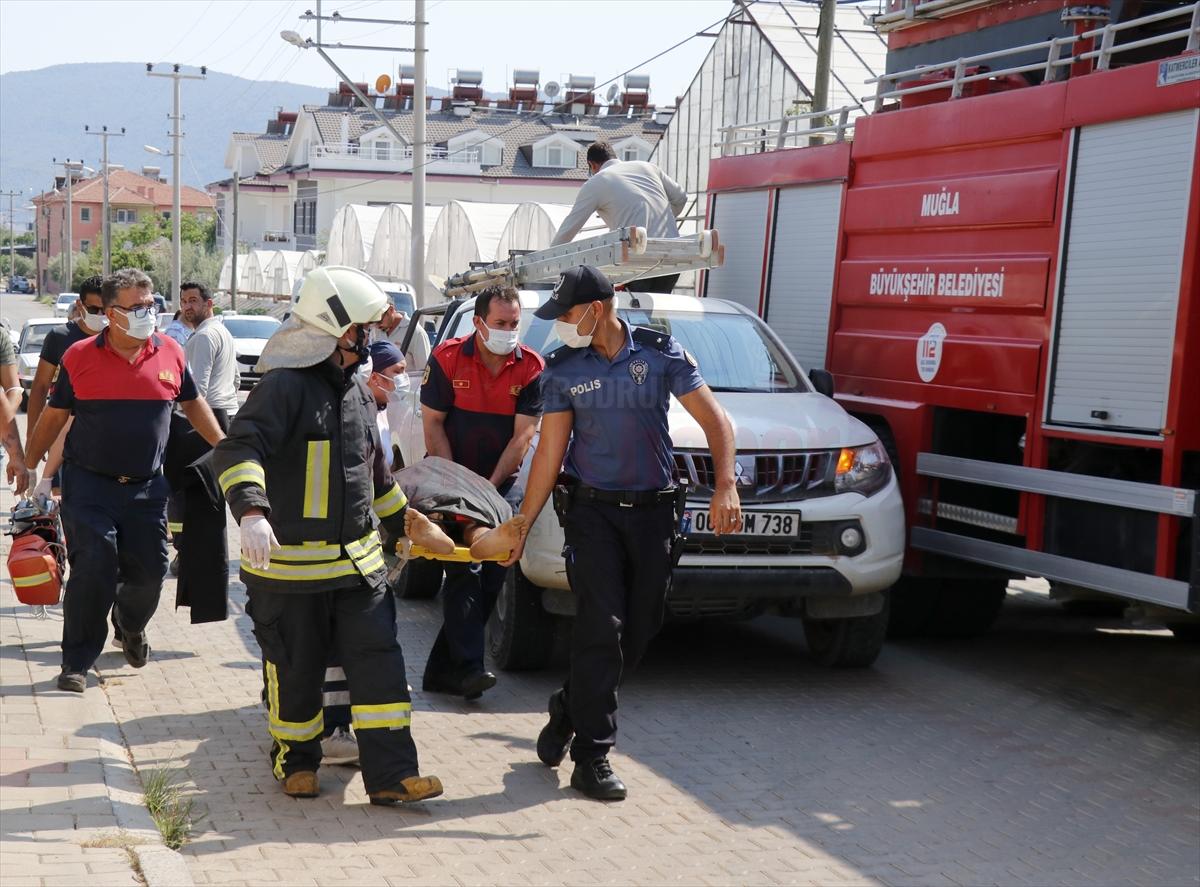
460,555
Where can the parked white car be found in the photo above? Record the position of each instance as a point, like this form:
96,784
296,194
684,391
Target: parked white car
29,350
63,303
250,333
824,524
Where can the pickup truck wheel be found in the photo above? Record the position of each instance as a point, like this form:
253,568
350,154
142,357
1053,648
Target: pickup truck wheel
421,580
847,643
520,633
966,608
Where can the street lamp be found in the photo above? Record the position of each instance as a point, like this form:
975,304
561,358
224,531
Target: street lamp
417,252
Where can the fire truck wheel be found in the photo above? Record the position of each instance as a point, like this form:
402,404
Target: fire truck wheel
1189,632
967,608
913,599
847,643
520,633
421,580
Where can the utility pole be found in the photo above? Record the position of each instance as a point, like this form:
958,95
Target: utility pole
106,222
417,250
820,94
70,167
418,140
12,250
176,185
233,272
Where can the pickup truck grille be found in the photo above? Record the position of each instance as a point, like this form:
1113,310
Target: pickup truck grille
765,477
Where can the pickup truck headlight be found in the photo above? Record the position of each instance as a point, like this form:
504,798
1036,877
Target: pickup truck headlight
862,470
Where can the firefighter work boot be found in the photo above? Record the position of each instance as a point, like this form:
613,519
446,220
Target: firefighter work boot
595,778
413,788
340,747
301,784
72,681
552,742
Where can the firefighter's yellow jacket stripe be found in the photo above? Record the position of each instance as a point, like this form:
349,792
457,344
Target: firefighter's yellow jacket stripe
242,473
320,560
175,526
393,715
29,581
316,480
299,731
390,502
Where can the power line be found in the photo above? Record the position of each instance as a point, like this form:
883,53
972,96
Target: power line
170,52
224,30
287,6
555,109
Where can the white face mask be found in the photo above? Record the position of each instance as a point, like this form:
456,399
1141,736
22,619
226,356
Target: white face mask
95,322
400,385
501,341
570,335
140,327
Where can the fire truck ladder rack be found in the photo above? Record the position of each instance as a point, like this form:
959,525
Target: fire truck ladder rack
624,255
1058,56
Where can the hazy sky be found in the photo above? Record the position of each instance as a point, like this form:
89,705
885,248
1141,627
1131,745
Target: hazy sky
597,37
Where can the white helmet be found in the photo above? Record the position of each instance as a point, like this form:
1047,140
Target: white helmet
334,297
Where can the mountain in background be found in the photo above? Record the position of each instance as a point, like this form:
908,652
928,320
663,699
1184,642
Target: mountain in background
43,112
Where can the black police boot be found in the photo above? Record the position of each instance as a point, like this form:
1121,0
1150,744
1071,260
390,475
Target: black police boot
552,742
595,778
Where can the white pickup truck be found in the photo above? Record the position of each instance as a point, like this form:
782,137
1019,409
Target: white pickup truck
824,526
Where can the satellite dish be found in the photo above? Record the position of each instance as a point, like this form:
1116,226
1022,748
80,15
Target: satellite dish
383,83
613,92
551,89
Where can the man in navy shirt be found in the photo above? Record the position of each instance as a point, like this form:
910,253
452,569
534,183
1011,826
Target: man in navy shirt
605,399
120,387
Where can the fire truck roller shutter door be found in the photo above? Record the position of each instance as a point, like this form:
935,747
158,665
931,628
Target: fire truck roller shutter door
741,217
1123,258
802,264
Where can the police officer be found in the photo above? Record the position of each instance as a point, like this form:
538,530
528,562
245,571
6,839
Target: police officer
303,472
605,399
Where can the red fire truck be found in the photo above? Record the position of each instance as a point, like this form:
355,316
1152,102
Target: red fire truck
1000,266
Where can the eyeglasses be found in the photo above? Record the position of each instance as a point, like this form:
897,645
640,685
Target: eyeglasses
94,309
139,311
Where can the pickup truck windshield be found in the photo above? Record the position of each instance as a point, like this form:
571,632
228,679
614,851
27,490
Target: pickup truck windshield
251,328
732,350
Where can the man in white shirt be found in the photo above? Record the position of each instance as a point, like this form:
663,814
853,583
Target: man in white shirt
625,193
210,352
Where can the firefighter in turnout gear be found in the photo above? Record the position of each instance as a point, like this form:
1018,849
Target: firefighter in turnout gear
307,483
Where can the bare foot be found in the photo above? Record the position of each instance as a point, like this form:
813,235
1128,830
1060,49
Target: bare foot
500,541
422,531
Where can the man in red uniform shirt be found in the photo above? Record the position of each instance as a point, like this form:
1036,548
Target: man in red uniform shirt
482,398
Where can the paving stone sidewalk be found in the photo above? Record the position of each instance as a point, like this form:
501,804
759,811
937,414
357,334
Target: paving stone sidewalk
70,803
1038,755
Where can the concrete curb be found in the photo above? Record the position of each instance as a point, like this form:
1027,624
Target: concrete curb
161,866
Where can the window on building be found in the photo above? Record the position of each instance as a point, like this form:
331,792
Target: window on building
630,152
554,156
383,150
125,216
166,214
85,245
85,213
304,217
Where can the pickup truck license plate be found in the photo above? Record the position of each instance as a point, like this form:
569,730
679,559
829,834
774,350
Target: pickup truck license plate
754,523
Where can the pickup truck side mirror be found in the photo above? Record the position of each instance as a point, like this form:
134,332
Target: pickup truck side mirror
822,380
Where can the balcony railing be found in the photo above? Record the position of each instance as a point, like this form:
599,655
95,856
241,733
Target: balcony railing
277,236
396,158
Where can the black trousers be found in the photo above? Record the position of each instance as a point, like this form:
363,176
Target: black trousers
296,633
468,597
656,284
619,567
116,538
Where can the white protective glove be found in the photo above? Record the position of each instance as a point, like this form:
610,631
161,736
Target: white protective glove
258,541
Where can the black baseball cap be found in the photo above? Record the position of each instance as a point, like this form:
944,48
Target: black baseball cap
577,286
